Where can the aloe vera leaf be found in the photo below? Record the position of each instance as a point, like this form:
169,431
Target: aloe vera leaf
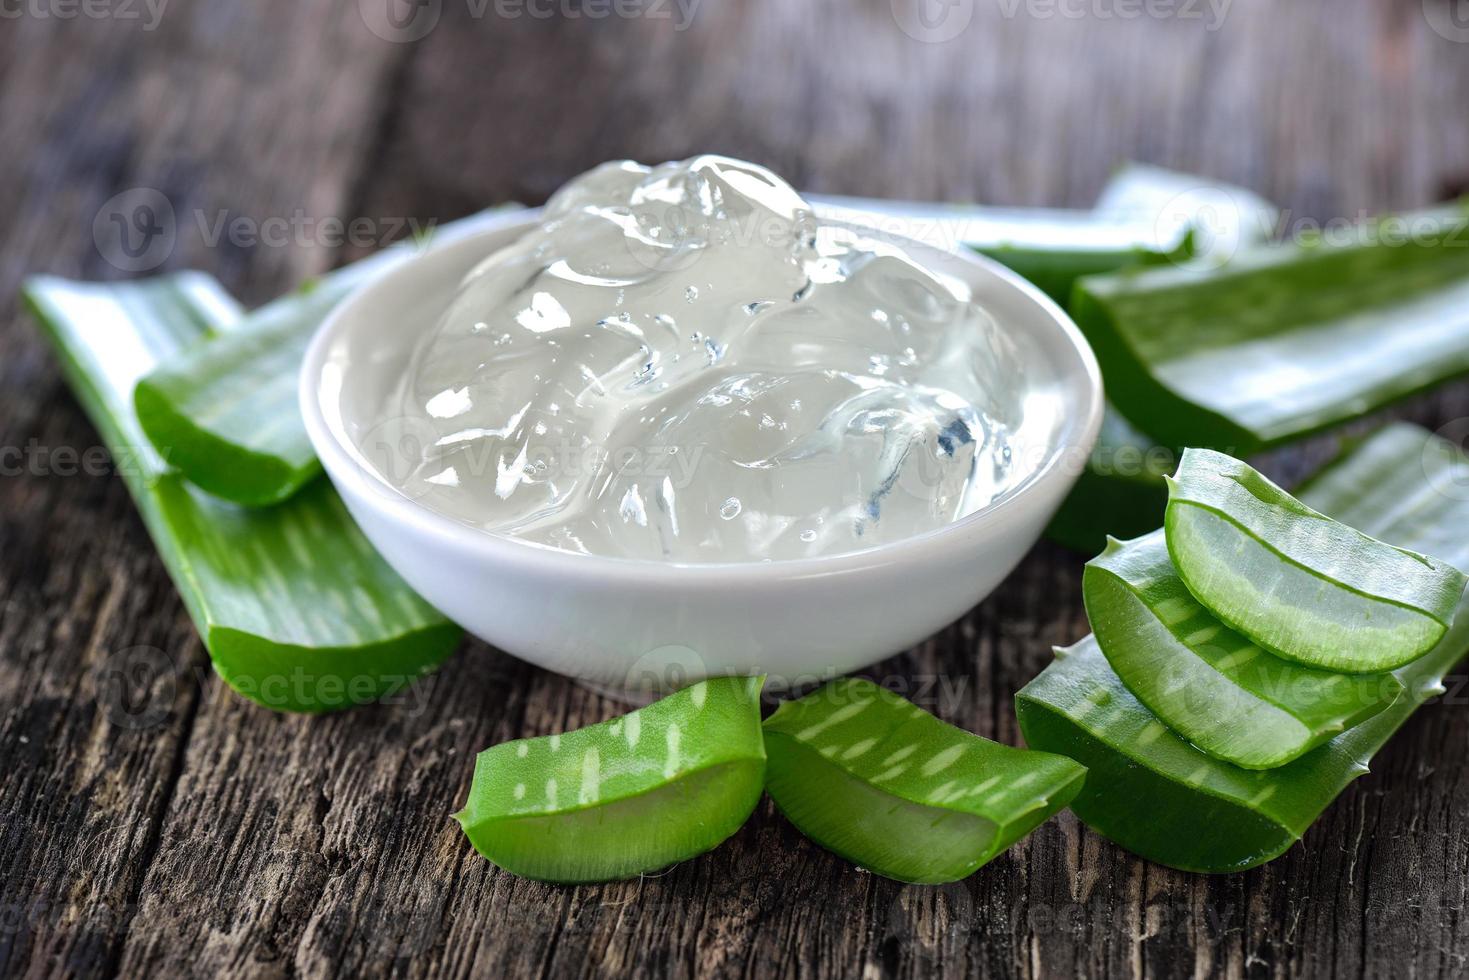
296,609
1225,216
624,797
1301,585
225,410
1051,247
1283,341
1160,797
886,785
1208,683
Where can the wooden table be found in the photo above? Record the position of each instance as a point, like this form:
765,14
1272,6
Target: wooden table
152,824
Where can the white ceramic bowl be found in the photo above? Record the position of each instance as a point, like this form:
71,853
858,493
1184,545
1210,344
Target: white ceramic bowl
640,625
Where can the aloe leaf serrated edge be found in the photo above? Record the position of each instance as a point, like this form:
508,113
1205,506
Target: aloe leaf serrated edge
1200,814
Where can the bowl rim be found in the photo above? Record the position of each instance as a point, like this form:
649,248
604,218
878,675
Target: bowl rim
343,462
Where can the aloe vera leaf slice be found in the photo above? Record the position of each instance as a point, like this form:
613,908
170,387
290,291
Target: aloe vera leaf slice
225,410
1208,683
886,785
1224,216
628,796
296,609
1051,247
1301,585
1213,355
1152,792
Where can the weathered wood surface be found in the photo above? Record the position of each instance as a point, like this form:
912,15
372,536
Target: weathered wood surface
151,824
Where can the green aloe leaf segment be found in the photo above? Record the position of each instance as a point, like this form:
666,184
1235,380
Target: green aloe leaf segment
225,409
1215,354
624,797
1301,585
887,785
1163,798
297,610
1213,686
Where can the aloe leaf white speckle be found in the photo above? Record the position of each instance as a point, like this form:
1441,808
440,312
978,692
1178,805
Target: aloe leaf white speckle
890,787
624,797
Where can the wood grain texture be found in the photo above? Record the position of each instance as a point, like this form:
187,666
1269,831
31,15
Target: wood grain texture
153,824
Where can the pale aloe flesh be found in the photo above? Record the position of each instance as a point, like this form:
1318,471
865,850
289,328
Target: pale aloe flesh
296,609
885,784
225,410
1151,791
1213,686
1303,586
623,797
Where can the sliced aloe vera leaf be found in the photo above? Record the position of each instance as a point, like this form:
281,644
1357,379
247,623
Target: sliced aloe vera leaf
225,410
886,785
1223,216
1301,585
1051,247
1283,341
1152,792
624,797
1208,683
296,609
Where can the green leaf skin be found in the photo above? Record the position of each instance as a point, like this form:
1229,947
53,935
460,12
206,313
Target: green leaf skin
1122,490
1164,799
297,610
1208,683
225,410
1216,356
624,797
886,785
1303,586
